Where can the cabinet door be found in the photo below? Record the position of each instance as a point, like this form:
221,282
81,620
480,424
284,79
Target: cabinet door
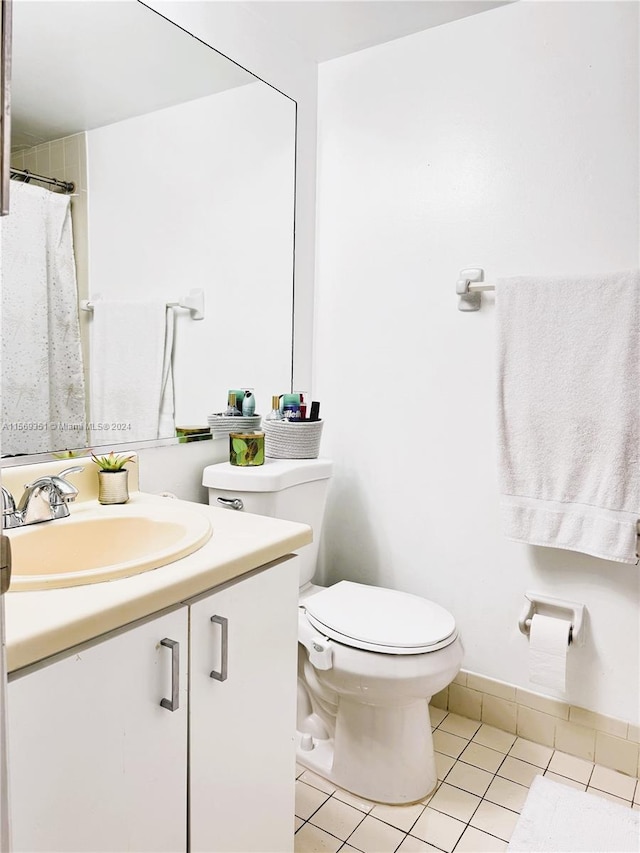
95,762
242,755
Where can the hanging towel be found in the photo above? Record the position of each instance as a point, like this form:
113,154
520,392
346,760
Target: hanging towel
569,412
131,372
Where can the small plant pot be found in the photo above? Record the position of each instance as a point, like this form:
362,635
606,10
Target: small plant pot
113,487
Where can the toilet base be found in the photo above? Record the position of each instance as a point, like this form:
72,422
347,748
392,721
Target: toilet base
378,753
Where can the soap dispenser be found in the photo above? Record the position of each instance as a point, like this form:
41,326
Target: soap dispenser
248,404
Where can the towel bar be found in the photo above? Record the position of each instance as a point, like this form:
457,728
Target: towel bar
469,288
193,302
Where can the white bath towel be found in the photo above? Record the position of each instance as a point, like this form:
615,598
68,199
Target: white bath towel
131,346
569,412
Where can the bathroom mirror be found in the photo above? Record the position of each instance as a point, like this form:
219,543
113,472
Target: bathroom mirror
183,166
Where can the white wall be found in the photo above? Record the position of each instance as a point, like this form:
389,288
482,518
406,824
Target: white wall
508,140
239,33
210,207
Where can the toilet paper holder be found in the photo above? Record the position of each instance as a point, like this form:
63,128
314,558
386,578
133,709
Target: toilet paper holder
548,606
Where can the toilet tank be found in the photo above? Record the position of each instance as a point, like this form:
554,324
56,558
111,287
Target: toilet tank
291,489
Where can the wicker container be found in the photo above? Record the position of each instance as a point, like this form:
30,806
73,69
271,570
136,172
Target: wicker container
221,425
284,440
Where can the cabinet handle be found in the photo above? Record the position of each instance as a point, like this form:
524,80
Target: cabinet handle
224,648
174,703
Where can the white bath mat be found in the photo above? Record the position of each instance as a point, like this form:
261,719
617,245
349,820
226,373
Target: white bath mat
559,819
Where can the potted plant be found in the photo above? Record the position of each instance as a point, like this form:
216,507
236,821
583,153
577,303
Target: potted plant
113,478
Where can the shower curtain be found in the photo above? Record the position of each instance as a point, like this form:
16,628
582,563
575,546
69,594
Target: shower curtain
43,399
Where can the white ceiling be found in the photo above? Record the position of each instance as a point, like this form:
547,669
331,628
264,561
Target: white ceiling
81,65
326,29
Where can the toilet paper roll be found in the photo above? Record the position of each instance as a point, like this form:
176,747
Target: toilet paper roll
548,648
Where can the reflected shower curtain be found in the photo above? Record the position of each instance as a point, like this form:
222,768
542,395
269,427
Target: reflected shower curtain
43,400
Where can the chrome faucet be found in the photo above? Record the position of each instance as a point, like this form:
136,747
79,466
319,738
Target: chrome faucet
46,499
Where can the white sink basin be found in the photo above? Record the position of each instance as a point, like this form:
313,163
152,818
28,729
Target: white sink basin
104,543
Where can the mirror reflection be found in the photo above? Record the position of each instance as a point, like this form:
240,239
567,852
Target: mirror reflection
183,172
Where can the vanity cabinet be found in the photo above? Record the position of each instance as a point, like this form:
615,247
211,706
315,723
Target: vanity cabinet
98,764
95,762
242,721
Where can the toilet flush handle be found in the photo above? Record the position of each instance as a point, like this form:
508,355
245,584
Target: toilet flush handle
232,503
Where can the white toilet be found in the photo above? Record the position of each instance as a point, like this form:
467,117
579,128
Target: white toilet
370,659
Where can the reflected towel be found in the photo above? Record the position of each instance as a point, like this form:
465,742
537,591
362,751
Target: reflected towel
131,381
569,412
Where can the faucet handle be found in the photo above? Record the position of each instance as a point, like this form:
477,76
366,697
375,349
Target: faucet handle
10,517
75,469
8,503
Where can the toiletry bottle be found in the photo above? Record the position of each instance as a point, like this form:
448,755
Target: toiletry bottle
248,404
232,411
291,407
275,414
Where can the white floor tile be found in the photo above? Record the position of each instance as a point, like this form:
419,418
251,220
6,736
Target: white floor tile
482,757
476,841
374,836
448,744
532,753
308,800
563,780
319,782
495,820
415,845
494,738
469,778
573,768
426,800
310,839
519,771
436,715
402,817
502,792
609,796
353,800
454,802
613,782
444,763
337,818
461,726
438,829
329,819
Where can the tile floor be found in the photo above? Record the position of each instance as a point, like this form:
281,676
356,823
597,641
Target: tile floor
483,778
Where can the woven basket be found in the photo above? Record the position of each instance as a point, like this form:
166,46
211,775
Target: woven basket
284,440
222,425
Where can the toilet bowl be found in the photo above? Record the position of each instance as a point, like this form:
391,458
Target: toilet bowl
369,658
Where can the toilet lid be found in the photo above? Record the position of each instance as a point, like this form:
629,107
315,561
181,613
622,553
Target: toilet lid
381,620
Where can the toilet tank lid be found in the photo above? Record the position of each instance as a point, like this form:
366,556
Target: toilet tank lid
274,475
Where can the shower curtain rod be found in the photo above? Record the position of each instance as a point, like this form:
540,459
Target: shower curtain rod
25,176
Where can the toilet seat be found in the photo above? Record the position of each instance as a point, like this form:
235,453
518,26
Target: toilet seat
380,620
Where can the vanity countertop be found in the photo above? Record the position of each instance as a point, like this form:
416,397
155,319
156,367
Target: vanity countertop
43,623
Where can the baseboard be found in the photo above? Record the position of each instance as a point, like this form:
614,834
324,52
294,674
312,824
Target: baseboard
595,737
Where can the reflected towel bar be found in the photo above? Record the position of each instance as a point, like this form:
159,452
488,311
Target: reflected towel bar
194,303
